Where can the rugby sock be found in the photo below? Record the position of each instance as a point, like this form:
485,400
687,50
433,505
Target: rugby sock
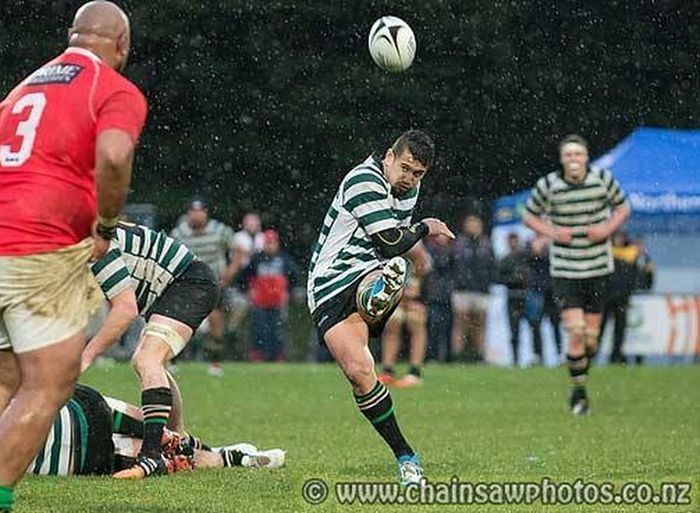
215,348
388,370
125,424
415,370
156,404
232,458
122,462
7,498
196,443
379,410
578,369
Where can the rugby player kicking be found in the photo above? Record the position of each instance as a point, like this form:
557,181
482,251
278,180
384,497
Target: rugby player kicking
357,274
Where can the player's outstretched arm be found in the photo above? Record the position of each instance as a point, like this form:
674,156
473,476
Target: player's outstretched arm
123,311
397,241
393,242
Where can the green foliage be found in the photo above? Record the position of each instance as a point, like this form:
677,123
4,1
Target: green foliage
265,105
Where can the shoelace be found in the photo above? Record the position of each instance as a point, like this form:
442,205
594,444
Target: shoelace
408,468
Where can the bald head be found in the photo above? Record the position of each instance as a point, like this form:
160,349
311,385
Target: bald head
103,28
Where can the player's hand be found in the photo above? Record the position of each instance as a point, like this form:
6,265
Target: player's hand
85,362
598,232
226,279
437,227
100,245
563,235
99,248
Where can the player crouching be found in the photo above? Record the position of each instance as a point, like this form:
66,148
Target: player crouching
149,273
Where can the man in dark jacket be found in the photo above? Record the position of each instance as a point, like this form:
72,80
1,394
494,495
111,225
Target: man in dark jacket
269,278
539,299
437,292
472,272
622,284
513,272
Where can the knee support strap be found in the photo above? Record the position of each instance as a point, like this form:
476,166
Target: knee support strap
175,341
592,334
576,328
591,341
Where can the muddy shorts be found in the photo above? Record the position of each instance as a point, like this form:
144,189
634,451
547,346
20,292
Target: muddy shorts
46,298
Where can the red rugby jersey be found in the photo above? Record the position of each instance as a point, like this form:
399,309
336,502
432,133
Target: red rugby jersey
48,128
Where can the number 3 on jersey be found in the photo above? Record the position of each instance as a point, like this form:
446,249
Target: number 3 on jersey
25,129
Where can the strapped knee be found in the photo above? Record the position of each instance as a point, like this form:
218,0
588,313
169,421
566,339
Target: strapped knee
592,334
591,341
169,335
576,328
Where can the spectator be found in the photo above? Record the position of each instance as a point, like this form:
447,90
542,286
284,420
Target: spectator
269,279
645,267
246,243
620,287
473,270
645,276
437,292
551,310
513,272
211,241
539,300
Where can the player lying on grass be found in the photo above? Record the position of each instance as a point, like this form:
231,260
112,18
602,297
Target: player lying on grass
357,274
148,273
98,435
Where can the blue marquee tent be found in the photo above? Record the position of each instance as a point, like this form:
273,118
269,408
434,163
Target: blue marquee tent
660,171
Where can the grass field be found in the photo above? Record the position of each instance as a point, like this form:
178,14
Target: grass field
478,423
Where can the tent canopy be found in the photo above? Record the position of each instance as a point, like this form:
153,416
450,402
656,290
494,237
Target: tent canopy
659,169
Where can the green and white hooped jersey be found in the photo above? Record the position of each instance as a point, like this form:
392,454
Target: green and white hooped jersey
363,205
65,449
578,206
144,258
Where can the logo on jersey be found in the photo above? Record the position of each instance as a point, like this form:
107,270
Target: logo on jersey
55,74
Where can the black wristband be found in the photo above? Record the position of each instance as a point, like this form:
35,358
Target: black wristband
420,228
106,232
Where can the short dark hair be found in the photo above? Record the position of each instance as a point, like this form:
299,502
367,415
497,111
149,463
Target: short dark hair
418,143
197,204
573,138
